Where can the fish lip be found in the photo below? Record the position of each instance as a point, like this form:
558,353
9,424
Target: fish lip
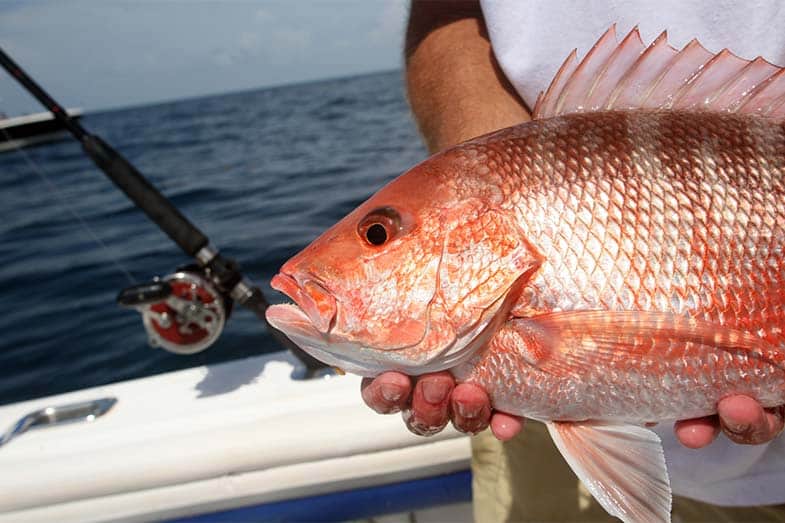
335,351
311,297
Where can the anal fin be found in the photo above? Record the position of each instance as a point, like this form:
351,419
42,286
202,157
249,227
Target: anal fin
623,466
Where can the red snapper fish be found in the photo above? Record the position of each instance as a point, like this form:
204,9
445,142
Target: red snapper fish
616,261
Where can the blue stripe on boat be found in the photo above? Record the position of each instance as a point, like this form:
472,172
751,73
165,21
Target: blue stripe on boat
354,504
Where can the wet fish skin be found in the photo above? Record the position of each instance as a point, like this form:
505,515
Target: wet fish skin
642,211
646,211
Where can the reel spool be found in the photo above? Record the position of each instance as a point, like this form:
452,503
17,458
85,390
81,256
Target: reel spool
183,312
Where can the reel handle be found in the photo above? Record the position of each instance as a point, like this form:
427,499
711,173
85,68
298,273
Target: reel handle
144,294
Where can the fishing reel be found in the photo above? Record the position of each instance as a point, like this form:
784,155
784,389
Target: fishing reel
182,312
185,312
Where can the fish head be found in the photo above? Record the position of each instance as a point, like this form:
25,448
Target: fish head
413,280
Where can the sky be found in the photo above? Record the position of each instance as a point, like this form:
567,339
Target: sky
100,54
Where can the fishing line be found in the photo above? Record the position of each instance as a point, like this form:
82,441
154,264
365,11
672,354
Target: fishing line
56,192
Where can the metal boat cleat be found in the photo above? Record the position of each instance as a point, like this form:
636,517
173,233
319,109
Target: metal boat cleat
58,415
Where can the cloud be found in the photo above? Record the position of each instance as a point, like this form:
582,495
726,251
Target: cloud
130,52
249,41
263,16
390,22
223,58
291,39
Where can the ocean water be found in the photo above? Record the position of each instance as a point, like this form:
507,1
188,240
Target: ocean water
262,173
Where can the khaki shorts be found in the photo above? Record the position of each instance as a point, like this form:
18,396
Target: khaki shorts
526,479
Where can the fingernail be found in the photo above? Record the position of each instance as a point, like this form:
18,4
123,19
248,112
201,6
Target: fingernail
421,429
464,430
739,429
468,411
435,392
417,427
779,413
391,393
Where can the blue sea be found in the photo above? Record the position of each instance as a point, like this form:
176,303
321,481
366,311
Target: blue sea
262,173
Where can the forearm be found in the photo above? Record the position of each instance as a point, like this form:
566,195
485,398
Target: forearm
455,87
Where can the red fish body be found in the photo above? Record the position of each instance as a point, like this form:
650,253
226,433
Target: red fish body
617,261
646,212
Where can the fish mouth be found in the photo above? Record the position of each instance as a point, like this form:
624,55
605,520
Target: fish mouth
311,297
330,349
309,322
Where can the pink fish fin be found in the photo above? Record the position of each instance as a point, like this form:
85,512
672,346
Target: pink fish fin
766,95
638,81
681,69
573,82
623,466
747,83
570,342
629,75
614,69
777,110
546,105
710,82
582,81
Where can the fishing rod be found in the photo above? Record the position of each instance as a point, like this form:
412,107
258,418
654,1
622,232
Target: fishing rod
183,312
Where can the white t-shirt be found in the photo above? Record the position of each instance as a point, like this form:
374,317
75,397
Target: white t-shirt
531,39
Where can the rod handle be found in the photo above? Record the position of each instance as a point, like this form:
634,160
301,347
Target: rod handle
155,205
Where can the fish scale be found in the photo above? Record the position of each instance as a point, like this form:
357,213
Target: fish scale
583,265
677,380
578,267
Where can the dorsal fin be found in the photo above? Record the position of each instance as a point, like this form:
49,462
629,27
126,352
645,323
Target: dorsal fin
630,75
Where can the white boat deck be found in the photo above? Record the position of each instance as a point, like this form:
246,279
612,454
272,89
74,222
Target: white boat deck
209,439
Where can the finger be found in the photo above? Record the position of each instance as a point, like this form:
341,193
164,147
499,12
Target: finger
775,417
505,426
430,409
744,421
471,408
387,393
697,433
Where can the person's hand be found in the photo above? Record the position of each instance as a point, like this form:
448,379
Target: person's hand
434,401
741,418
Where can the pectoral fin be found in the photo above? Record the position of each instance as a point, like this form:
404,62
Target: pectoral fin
568,342
623,466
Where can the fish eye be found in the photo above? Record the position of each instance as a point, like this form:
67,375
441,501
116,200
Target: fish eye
379,226
376,234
